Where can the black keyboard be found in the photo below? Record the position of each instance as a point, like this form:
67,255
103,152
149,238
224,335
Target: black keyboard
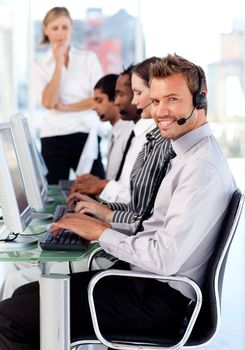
64,240
60,210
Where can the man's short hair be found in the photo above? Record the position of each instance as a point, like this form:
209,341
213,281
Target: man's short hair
174,64
107,85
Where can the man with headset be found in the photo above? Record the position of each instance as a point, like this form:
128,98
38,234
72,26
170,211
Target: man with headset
104,96
177,239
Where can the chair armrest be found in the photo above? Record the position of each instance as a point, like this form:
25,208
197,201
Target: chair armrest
166,279
92,256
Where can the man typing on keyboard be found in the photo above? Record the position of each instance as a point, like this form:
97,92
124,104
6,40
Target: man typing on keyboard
177,239
85,226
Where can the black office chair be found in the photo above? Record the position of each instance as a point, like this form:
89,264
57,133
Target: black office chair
202,321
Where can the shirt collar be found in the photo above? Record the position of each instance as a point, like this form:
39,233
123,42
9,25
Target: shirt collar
154,135
117,128
143,125
187,141
48,56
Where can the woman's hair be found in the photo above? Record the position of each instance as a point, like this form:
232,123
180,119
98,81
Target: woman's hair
50,16
142,69
107,84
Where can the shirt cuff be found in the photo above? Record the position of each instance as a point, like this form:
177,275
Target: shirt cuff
126,229
111,191
109,241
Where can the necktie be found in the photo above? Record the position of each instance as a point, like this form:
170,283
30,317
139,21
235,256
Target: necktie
111,144
119,172
147,213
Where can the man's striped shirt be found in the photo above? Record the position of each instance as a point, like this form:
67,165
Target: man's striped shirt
143,176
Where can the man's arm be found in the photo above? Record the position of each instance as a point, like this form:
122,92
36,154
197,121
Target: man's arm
88,227
187,216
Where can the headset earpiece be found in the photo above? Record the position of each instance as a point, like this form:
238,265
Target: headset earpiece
199,98
201,101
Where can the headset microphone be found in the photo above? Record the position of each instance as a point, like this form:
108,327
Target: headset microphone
183,120
102,116
140,110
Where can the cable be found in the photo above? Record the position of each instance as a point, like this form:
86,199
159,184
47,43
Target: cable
10,239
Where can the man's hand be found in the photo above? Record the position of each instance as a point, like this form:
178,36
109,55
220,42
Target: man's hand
87,205
90,206
92,187
76,197
84,226
86,177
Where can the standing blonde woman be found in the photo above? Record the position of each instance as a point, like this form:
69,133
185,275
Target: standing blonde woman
64,78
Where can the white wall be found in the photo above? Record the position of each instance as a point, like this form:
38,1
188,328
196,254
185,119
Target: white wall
7,96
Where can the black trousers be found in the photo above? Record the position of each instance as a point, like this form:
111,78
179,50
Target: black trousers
62,153
142,305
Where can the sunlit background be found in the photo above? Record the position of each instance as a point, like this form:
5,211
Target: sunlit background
210,33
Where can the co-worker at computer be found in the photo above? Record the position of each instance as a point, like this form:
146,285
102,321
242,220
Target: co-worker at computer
63,82
104,96
146,168
119,188
177,239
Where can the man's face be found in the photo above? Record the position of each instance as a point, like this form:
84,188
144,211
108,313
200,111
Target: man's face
105,109
123,100
171,101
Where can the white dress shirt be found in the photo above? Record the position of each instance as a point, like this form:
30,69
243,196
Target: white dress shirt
119,135
77,82
179,237
119,191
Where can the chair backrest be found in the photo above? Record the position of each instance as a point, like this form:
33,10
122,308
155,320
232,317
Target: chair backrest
209,316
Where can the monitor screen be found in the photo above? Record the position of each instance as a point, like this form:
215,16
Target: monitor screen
12,162
35,181
37,168
41,162
14,202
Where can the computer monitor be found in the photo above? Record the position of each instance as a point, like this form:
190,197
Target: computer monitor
41,161
34,179
16,210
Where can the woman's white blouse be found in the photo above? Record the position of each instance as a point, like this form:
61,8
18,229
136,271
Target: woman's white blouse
77,82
